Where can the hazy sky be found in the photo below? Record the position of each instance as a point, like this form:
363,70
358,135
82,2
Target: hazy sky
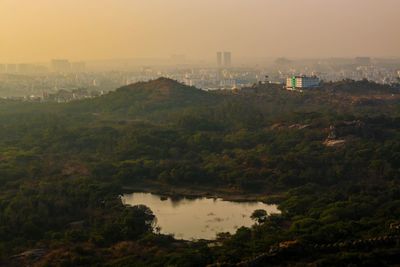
38,30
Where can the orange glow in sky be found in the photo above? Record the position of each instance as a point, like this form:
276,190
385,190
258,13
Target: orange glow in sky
38,30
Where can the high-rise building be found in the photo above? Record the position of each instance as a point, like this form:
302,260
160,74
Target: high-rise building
219,59
2,68
60,65
301,82
227,59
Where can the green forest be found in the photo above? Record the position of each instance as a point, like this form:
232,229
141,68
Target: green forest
329,157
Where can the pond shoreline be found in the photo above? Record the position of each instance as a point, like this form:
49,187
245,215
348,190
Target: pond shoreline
200,192
198,218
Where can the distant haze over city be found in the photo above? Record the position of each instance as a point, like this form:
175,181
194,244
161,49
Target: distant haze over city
41,30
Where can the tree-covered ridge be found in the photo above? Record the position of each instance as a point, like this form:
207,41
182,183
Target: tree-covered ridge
154,99
330,162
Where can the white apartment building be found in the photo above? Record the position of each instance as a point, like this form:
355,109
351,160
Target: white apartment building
301,82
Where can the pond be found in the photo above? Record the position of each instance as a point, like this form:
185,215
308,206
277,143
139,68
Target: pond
200,218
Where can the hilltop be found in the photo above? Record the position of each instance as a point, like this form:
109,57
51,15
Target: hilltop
153,99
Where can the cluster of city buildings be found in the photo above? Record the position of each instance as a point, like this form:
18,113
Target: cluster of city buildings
382,71
23,68
64,65
60,75
56,65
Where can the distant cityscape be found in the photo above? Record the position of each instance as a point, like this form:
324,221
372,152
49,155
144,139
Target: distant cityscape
62,80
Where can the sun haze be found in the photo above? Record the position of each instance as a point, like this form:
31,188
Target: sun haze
100,29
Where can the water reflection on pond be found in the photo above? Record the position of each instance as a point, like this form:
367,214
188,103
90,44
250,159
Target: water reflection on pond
200,218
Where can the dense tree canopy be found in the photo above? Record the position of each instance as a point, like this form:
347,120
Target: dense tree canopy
329,157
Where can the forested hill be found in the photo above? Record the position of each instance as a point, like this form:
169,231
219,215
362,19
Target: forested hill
166,100
154,99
